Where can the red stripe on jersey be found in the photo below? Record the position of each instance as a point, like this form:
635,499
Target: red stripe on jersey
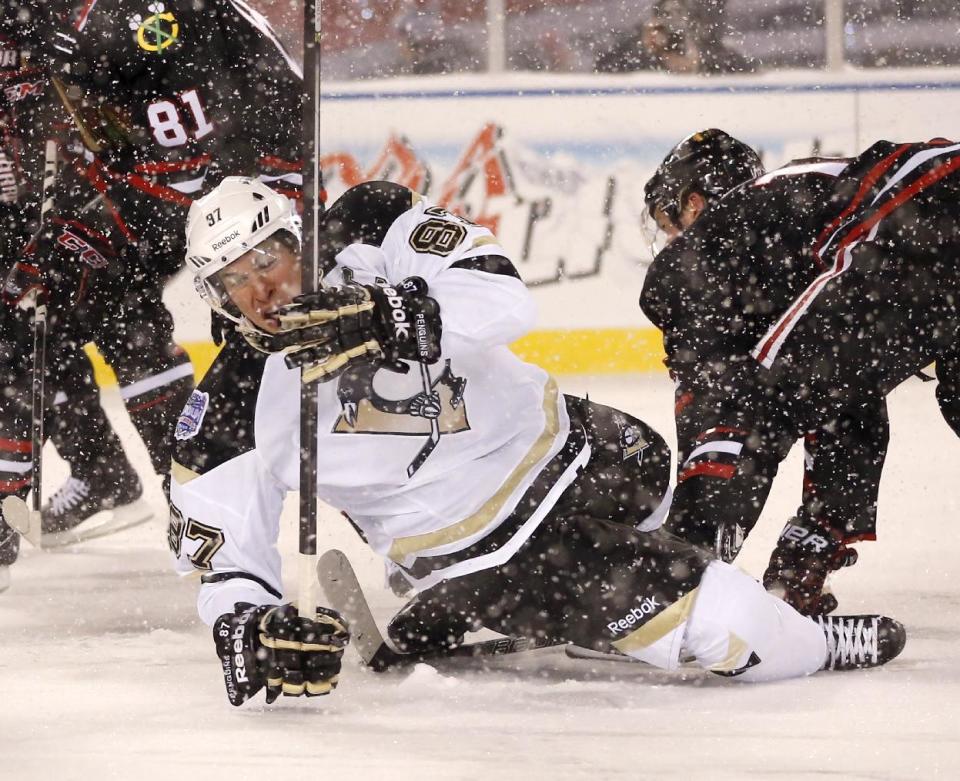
84,15
720,430
8,486
929,178
15,445
94,174
148,404
278,163
164,167
87,231
873,175
708,469
682,403
157,190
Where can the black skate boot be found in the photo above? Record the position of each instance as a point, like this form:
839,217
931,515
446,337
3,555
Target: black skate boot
99,504
854,642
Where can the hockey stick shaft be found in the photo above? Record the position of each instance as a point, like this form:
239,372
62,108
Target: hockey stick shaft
21,516
424,453
37,405
50,171
310,280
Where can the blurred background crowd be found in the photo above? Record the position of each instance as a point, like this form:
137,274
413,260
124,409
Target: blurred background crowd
377,38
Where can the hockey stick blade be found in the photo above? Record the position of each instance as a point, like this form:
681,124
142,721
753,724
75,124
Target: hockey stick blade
343,590
576,652
19,516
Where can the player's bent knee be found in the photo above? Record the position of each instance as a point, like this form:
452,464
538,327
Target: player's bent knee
737,629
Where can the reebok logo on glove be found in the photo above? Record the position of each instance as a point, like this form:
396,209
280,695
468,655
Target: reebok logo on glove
398,313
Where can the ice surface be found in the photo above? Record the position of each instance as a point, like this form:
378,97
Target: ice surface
105,671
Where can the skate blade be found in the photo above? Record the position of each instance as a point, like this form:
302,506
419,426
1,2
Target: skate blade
100,525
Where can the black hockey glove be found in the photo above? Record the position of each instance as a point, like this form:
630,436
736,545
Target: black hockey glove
270,645
24,283
325,331
806,553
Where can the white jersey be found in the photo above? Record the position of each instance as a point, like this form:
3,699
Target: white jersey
440,512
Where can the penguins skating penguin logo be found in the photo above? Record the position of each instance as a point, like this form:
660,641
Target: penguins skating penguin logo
436,409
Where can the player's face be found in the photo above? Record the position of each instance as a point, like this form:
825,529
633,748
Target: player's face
666,225
261,281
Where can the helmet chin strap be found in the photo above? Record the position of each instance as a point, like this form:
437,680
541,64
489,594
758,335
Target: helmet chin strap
255,337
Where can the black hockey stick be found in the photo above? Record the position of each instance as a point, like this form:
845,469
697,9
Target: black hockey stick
26,519
343,591
424,453
310,275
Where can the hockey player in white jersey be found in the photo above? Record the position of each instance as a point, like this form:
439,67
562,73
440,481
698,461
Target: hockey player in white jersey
505,503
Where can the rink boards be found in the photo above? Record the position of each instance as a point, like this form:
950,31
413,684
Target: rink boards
556,164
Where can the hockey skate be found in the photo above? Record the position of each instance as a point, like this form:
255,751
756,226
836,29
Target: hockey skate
85,509
855,642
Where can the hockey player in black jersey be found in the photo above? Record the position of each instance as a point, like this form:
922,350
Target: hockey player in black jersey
736,262
158,94
506,504
719,292
101,475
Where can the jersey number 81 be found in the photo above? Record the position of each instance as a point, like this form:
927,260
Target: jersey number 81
167,124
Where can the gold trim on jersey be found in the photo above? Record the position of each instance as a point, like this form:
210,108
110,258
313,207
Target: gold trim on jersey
181,473
404,546
657,627
736,648
483,241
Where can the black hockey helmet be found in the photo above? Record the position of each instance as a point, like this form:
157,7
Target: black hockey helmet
710,162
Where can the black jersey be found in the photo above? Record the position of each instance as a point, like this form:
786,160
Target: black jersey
715,289
26,119
179,87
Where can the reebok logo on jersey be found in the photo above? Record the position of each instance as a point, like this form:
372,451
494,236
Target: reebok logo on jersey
637,615
218,245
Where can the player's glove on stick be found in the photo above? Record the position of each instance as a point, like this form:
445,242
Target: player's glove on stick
324,332
271,646
24,283
806,553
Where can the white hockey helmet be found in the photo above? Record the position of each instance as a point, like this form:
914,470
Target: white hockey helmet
235,217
